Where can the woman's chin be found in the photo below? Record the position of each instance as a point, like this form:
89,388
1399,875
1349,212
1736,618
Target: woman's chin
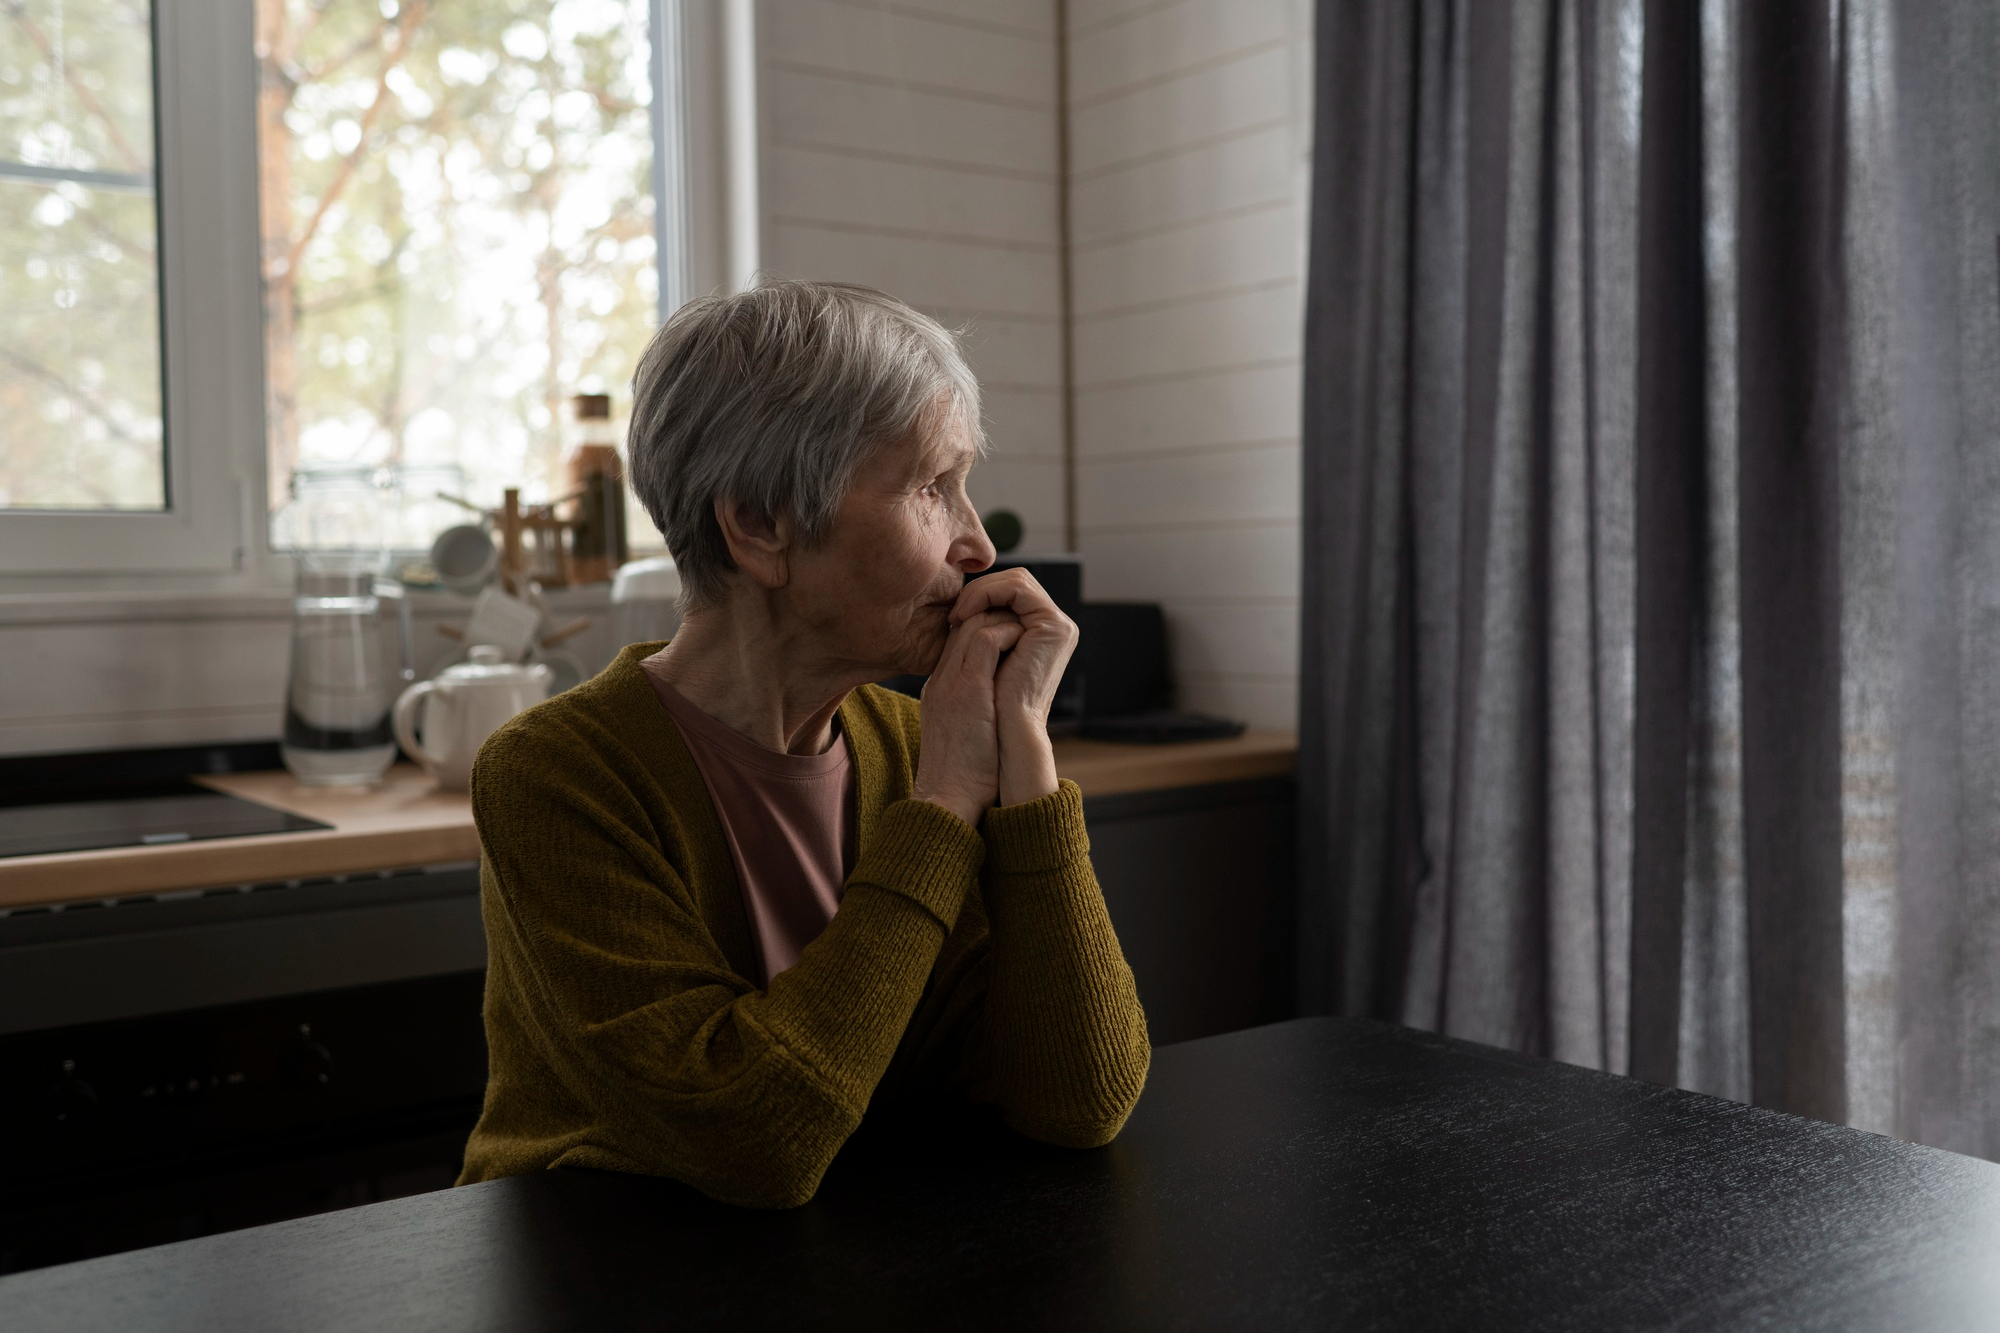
925,643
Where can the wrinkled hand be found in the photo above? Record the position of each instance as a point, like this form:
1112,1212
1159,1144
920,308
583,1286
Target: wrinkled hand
1024,687
958,766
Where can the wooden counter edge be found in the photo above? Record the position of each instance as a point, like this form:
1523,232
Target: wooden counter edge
444,836
1102,768
123,872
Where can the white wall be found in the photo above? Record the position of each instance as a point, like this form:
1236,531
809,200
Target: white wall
912,146
117,671
1190,141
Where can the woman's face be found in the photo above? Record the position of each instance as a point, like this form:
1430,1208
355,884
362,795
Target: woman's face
877,590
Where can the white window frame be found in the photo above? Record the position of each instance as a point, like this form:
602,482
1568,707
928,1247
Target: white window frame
214,530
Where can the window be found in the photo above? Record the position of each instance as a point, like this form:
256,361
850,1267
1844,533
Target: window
460,234
80,401
244,238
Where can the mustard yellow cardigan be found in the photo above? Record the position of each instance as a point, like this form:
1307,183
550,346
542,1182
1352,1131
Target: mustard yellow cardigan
622,1031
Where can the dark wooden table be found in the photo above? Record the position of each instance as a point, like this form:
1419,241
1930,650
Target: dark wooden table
1314,1174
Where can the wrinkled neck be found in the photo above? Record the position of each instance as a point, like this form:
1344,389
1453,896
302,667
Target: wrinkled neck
759,671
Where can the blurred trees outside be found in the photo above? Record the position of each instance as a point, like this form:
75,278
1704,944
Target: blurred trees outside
458,234
80,399
457,214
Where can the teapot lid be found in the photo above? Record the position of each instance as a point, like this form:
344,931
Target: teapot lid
486,661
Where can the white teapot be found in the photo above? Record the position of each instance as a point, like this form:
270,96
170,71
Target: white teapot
466,704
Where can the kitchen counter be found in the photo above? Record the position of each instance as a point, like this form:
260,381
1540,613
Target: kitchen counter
405,821
1106,768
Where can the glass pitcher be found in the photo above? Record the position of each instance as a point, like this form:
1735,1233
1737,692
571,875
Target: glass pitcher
341,688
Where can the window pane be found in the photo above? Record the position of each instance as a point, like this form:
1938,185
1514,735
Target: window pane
458,236
80,423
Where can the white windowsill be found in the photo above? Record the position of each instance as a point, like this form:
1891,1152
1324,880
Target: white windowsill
183,600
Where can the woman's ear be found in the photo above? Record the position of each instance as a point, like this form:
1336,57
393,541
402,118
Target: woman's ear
759,544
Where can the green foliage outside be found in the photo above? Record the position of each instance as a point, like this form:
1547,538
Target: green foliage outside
79,310
457,221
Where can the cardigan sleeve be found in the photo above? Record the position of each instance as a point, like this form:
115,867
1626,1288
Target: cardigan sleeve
1061,1045
659,1058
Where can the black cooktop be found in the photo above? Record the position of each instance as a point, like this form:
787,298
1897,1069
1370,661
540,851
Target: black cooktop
183,813
77,803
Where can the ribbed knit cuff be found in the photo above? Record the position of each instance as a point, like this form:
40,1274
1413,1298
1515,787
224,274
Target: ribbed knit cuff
925,853
1037,836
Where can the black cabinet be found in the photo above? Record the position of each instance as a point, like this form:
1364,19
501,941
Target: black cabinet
1199,883
198,1062
147,1130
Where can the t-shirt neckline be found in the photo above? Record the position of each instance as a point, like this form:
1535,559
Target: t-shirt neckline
740,748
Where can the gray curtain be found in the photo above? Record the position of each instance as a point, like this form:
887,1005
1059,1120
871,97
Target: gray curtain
1651,679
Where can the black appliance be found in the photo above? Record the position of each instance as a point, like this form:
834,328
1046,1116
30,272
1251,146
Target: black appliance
82,802
1128,686
1124,657
185,1062
146,814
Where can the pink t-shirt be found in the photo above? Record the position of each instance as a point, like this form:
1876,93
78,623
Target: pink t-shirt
789,819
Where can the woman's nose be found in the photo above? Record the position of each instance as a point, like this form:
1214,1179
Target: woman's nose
973,551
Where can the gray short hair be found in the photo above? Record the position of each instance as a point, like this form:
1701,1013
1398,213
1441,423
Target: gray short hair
773,397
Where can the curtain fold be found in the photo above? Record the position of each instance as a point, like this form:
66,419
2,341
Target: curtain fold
1468,662
1650,556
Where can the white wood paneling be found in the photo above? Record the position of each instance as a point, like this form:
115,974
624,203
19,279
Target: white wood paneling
1258,326
1010,351
124,672
1030,17
912,147
1090,16
1024,426
1253,248
1239,560
1188,196
1196,412
814,108
899,197
1202,106
930,274
1244,696
1156,44
907,48
1237,638
1246,171
1230,484
112,685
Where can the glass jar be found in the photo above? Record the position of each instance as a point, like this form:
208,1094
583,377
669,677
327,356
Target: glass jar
347,507
341,686
342,682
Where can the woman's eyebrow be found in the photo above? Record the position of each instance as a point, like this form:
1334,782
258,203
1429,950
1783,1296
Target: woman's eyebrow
942,463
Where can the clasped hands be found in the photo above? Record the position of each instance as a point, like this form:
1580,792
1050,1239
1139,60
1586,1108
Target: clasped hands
986,705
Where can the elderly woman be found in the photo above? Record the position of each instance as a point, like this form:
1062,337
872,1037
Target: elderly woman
735,894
